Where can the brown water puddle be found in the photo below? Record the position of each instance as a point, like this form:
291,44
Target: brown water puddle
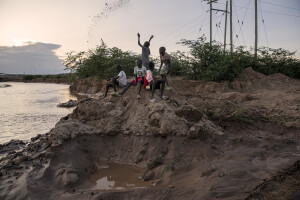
114,176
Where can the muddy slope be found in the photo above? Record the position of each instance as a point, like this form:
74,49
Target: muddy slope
212,140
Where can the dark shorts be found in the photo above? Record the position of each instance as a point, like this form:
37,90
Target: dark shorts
157,85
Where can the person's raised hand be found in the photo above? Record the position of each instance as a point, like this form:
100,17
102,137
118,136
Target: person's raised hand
138,35
151,37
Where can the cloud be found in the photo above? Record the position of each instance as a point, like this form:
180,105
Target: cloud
34,58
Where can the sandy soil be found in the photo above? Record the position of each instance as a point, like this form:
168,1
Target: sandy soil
229,140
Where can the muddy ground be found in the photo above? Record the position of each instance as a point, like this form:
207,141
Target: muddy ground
229,140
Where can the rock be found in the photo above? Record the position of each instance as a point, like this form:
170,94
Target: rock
221,174
69,104
69,177
4,85
212,168
148,176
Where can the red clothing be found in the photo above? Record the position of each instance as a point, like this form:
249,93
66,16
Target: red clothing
145,79
138,79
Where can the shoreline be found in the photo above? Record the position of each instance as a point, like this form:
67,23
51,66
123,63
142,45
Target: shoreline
34,79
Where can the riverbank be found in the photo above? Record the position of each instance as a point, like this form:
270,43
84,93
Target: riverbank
60,78
209,140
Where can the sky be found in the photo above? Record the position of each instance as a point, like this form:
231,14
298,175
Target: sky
36,34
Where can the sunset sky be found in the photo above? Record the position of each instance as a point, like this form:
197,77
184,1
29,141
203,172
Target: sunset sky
36,34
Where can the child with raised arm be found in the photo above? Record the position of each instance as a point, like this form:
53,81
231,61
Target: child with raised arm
145,50
165,65
119,81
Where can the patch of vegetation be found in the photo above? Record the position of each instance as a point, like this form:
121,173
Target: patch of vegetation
101,62
245,120
154,162
211,63
30,77
239,114
278,120
169,167
45,77
202,61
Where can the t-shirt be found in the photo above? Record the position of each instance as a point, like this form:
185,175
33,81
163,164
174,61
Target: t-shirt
148,78
145,55
122,78
165,58
166,65
140,72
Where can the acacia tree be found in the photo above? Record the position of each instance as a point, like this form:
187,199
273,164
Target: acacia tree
101,62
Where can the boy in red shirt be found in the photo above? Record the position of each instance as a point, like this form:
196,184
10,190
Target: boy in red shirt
154,83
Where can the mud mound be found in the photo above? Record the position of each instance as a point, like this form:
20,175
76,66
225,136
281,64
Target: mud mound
198,144
88,85
250,75
132,116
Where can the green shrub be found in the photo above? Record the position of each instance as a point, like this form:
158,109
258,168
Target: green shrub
28,77
202,61
101,62
210,63
154,162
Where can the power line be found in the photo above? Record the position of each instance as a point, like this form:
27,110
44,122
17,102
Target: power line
279,5
188,32
218,22
166,36
267,11
244,19
237,36
202,24
175,37
263,21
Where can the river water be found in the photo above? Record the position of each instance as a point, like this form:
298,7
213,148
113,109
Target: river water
28,109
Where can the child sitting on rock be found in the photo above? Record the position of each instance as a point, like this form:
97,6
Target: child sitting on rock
154,83
119,81
139,71
145,50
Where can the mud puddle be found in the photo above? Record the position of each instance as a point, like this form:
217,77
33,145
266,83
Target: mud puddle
114,176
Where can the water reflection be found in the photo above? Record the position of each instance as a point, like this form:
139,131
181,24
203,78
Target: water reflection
28,109
114,176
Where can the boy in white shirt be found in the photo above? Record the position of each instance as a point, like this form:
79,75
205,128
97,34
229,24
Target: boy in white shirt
139,71
119,81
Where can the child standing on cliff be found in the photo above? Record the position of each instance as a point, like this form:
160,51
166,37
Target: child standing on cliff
145,50
165,65
119,81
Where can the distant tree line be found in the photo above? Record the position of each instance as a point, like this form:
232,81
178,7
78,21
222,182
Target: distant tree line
202,62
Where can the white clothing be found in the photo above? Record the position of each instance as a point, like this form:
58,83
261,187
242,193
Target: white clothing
122,78
149,76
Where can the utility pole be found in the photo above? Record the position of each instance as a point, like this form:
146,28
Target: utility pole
231,40
225,27
210,10
256,32
218,10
